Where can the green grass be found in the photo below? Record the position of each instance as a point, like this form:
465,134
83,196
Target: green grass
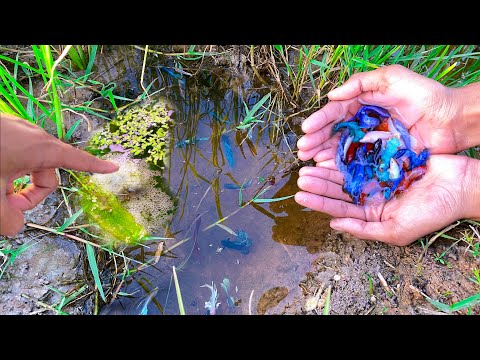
179,294
8,254
467,303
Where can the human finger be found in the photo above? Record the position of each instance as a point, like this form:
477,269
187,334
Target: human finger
323,173
44,182
359,84
326,154
319,186
334,110
370,230
310,153
333,207
328,164
57,154
11,219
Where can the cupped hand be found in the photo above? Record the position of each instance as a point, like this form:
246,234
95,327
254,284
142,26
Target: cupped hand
436,200
27,149
429,109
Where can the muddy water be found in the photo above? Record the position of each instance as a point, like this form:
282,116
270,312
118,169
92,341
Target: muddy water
284,235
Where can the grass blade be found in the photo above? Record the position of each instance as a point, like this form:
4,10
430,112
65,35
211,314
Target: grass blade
93,53
70,220
93,266
72,129
179,294
259,201
326,308
466,303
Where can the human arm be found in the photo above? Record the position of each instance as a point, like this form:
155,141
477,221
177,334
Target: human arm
28,149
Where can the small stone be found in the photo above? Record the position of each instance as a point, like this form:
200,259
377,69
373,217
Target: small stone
373,299
311,303
336,277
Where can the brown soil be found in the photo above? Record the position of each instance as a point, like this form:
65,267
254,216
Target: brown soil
344,263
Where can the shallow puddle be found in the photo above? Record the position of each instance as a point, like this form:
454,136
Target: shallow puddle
205,176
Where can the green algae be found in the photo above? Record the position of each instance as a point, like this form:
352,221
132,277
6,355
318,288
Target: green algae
104,209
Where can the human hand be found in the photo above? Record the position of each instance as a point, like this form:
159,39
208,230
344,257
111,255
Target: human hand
449,190
28,149
433,113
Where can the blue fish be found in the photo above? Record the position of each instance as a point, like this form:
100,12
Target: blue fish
228,150
231,186
242,243
354,128
383,163
379,111
420,159
170,72
390,149
340,157
366,122
191,141
415,160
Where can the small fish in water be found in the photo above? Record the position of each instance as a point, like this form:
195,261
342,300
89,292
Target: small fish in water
140,307
170,72
191,141
227,147
212,304
242,243
226,287
231,186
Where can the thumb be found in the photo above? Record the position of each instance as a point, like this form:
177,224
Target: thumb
364,84
365,230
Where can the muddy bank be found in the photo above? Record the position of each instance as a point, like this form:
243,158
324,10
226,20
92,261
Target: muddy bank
352,267
49,267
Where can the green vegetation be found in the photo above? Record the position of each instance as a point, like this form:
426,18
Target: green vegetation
292,80
141,130
104,209
8,254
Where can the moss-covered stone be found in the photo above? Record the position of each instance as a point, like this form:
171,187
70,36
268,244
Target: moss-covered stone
127,205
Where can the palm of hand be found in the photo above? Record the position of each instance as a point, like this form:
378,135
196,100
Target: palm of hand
432,202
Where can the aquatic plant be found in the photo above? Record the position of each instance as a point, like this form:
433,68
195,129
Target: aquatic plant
143,131
104,209
135,186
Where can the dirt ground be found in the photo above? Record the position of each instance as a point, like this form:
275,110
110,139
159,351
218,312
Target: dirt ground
351,268
346,263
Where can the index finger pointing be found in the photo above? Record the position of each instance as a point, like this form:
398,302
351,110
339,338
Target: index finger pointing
75,159
55,153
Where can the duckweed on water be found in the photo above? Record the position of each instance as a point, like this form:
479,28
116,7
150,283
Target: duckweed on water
140,130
